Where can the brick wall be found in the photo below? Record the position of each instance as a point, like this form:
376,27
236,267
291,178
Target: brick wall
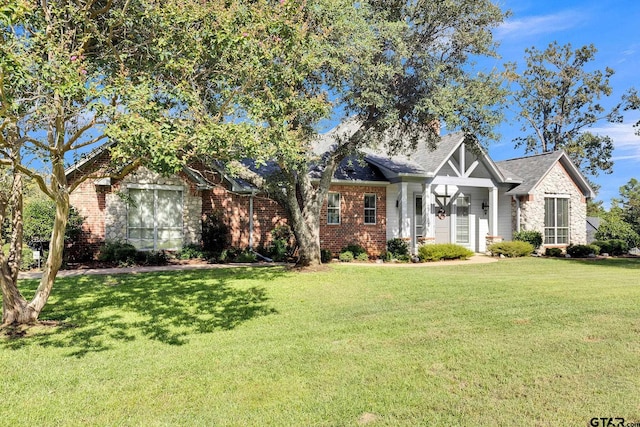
234,208
352,229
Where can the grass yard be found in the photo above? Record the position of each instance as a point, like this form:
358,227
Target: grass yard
519,342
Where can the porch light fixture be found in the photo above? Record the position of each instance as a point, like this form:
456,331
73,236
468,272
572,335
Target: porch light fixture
485,207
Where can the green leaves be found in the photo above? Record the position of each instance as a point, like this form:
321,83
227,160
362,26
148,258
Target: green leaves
558,99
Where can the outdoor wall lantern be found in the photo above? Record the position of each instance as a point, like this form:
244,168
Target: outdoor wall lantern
485,207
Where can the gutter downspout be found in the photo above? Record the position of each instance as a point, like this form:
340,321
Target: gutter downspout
517,200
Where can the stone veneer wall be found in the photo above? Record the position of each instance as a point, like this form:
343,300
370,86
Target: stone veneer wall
557,181
116,206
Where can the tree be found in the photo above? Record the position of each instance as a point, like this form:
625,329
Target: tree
628,206
408,67
558,100
75,73
631,101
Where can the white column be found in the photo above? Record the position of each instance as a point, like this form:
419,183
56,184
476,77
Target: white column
493,211
405,220
426,211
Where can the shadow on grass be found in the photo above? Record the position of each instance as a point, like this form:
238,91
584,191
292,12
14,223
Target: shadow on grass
621,262
90,312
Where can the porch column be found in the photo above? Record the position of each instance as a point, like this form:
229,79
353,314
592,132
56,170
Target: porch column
427,219
493,211
405,221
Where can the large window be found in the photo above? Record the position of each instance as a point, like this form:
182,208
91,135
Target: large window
333,208
556,221
369,208
155,218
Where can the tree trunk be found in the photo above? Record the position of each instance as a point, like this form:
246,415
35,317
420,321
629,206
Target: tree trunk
308,240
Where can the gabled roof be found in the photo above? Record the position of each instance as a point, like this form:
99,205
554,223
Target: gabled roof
533,169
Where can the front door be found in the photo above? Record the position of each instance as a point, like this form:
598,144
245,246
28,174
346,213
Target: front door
418,226
442,212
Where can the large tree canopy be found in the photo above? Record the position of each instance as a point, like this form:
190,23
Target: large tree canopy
558,99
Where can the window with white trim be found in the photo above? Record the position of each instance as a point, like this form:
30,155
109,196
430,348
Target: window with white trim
369,208
333,208
155,218
556,220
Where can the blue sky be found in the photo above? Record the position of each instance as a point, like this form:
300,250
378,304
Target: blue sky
613,27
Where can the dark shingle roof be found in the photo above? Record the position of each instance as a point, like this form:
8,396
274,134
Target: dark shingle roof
530,169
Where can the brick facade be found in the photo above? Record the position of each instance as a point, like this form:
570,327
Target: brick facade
352,229
556,182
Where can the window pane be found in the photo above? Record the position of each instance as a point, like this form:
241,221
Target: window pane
462,220
549,212
333,208
563,213
369,208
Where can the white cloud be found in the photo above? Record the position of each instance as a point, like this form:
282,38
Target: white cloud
625,140
541,24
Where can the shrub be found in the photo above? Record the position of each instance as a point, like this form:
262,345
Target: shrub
613,228
346,256
355,249
191,251
151,258
282,244
554,252
397,247
582,251
613,247
325,255
215,233
511,249
530,236
443,251
26,260
245,256
39,215
362,257
117,252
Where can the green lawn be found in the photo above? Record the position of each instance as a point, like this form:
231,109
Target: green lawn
519,342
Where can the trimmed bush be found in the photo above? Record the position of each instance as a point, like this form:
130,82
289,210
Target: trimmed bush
511,249
355,249
362,257
397,247
582,251
553,252
325,256
245,256
346,256
614,247
443,251
151,258
530,236
117,252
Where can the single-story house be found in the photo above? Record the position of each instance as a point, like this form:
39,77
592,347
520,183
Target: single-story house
453,194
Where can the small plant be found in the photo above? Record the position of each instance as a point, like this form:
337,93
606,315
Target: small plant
325,256
245,256
191,251
346,256
530,236
553,252
511,249
282,243
362,257
151,258
443,251
582,251
355,249
397,247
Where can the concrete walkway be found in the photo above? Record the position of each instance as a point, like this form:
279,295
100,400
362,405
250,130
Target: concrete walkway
476,259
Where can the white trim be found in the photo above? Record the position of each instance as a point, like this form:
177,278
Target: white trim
463,182
155,187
